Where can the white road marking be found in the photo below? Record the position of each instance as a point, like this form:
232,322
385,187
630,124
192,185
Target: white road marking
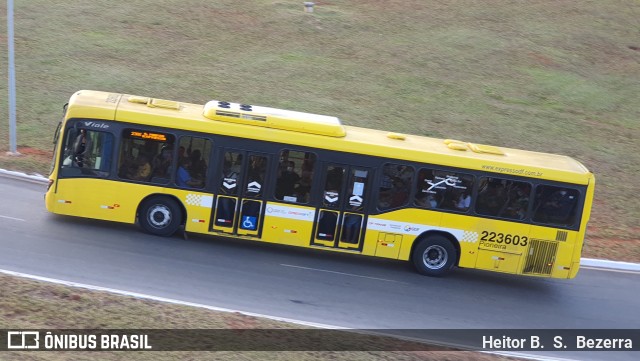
14,218
341,273
610,270
167,300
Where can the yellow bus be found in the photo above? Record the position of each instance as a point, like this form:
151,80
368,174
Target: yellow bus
301,179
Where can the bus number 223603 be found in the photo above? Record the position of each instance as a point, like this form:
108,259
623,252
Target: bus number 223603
503,238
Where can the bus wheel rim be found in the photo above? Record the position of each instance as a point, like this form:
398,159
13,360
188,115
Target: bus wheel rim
434,257
159,216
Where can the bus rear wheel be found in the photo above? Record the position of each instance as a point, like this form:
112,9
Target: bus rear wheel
161,216
434,256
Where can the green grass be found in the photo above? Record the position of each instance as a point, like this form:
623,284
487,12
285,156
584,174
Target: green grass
557,77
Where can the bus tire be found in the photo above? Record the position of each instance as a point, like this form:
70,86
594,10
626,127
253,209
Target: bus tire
160,216
434,256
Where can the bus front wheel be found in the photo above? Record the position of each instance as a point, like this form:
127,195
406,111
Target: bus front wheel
434,256
161,216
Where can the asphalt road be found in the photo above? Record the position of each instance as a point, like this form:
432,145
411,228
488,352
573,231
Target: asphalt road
313,286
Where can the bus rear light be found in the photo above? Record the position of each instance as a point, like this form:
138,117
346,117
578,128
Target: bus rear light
50,184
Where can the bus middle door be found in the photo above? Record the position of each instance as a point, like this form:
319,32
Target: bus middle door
340,221
240,203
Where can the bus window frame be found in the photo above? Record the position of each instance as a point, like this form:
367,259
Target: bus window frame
578,206
210,161
74,125
128,127
459,172
580,188
411,185
276,167
528,211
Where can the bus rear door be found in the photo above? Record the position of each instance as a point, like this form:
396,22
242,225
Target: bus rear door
340,219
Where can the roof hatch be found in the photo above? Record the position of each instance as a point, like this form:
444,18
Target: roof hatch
155,103
477,148
274,118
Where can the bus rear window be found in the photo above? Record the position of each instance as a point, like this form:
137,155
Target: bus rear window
555,205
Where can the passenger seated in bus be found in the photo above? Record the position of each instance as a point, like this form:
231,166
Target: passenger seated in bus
126,167
400,193
427,200
491,199
395,197
287,182
463,202
141,170
198,165
181,153
387,178
304,186
162,162
384,200
183,177
558,208
518,203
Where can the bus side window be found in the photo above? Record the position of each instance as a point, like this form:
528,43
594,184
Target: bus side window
395,186
555,205
503,198
295,176
193,153
145,155
443,190
87,153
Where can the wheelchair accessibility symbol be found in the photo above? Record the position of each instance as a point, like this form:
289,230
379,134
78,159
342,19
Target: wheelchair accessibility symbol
249,223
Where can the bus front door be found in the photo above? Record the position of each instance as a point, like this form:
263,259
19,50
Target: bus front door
340,221
239,207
